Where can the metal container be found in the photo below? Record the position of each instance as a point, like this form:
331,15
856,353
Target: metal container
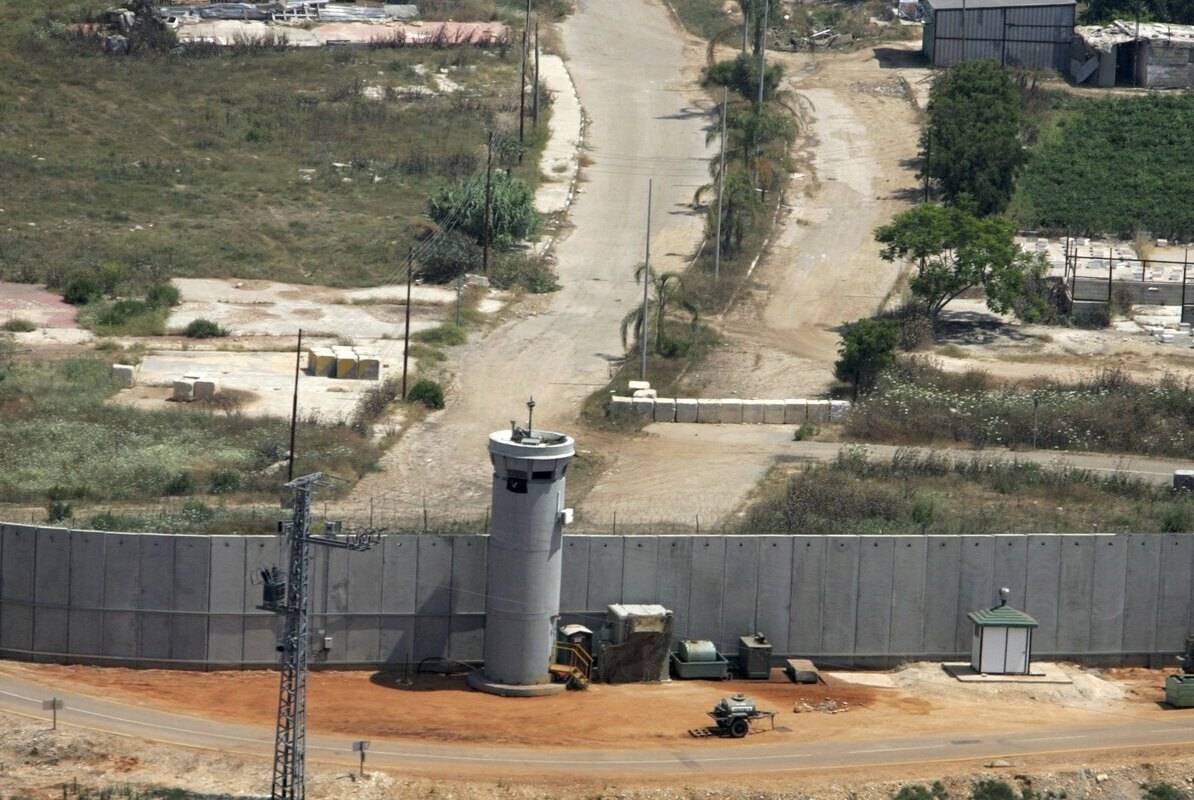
698,659
695,650
754,656
1179,691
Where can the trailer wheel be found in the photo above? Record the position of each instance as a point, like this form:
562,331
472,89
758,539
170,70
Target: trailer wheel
739,727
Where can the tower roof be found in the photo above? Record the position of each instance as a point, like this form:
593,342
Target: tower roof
1002,616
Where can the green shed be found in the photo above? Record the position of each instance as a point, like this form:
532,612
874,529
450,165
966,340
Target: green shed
1002,643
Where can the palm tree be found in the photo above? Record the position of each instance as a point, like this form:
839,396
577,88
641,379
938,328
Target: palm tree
666,289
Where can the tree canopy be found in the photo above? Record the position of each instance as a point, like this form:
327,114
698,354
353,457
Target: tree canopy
971,146
867,348
955,251
512,212
741,75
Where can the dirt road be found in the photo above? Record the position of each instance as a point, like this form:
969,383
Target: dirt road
638,85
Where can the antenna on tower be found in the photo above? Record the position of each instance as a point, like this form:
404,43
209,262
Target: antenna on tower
531,415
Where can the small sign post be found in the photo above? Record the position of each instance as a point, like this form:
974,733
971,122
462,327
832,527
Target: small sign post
361,747
52,705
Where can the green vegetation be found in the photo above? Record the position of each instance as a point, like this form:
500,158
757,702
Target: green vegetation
512,215
921,492
76,447
956,251
1117,166
971,145
1164,791
517,271
427,392
867,348
248,161
451,255
666,289
203,329
17,325
449,334
915,402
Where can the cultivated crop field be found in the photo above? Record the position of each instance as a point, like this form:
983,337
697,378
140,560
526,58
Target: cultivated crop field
1116,166
307,165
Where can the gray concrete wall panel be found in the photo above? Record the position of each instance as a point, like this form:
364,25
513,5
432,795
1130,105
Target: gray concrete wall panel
773,609
122,595
1011,555
640,566
16,587
976,586
432,636
156,633
1107,599
228,573
1075,601
85,634
189,637
574,575
261,638
840,607
363,639
468,575
605,572
705,593
192,571
1173,603
1141,591
434,581
674,577
1041,600
943,567
52,591
398,640
467,637
740,595
400,562
808,570
335,624
876,570
908,595
156,556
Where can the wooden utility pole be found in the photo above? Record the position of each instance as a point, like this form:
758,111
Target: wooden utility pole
642,341
298,354
488,203
522,81
721,182
763,52
410,269
535,101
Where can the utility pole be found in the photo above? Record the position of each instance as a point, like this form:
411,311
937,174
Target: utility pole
291,597
642,342
522,80
763,52
721,180
535,101
928,159
488,200
410,269
745,28
298,354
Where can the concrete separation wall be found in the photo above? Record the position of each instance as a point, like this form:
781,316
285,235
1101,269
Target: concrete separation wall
734,410
156,600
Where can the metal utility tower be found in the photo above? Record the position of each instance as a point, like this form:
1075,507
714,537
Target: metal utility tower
293,600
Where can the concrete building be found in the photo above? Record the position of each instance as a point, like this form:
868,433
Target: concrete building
1154,55
1035,34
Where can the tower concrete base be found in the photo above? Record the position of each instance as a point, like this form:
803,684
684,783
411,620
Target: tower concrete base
478,681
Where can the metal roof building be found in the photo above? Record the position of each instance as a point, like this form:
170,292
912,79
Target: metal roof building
1035,34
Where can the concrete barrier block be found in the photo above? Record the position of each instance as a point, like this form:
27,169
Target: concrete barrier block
795,412
645,393
368,366
708,411
621,406
184,390
838,409
731,411
752,412
125,375
773,412
634,386
346,362
818,411
1183,479
686,410
644,407
205,390
324,362
665,409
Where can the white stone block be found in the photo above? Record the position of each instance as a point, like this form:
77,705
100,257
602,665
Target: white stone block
125,375
644,407
731,411
665,409
773,412
633,386
346,362
686,410
795,412
708,410
621,406
368,366
752,412
838,409
323,362
205,390
645,393
818,411
184,390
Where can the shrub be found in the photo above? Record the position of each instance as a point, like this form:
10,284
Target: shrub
1164,791
179,484
374,402
81,290
512,209
519,272
224,481
57,511
448,334
163,295
867,348
120,312
919,792
427,392
452,255
203,329
18,325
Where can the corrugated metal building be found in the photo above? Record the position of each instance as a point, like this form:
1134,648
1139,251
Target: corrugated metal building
1017,33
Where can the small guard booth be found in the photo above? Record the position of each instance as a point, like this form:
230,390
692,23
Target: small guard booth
1002,643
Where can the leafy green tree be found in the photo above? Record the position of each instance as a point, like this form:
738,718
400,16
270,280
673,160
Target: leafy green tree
741,75
512,212
739,209
752,132
955,251
450,256
868,347
971,146
666,290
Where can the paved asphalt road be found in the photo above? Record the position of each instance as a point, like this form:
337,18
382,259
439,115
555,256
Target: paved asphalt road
727,757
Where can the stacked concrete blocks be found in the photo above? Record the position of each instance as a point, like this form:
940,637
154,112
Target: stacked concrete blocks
729,411
686,410
752,412
708,411
124,375
773,412
344,362
818,411
795,412
665,409
321,362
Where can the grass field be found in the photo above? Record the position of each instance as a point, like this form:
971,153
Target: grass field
255,163
920,492
66,444
1117,166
